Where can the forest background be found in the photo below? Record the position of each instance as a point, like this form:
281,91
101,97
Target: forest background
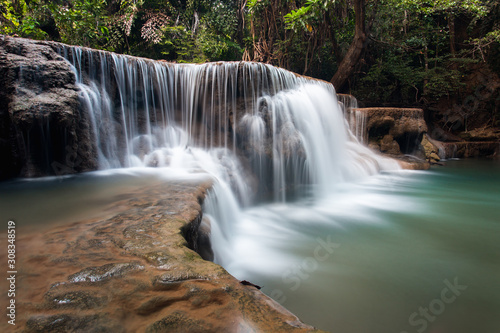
442,56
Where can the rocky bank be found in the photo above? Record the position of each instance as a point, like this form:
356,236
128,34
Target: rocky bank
135,272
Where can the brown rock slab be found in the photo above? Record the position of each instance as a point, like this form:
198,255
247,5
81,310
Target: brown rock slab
134,272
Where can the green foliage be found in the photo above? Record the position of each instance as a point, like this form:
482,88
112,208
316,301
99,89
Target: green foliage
216,33
255,6
475,7
16,18
417,56
81,22
306,36
184,31
217,48
192,31
418,50
391,78
311,13
442,82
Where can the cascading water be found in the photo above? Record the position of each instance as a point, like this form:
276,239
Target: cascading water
356,118
263,133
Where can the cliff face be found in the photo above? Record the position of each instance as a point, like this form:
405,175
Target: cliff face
42,130
395,130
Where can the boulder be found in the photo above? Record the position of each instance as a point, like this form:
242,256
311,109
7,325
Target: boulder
42,128
431,150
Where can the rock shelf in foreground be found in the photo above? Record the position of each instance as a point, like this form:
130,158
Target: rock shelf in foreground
134,272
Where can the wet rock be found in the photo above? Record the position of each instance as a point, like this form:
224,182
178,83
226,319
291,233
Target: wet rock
483,134
389,146
204,246
395,130
158,258
76,299
430,149
469,149
179,322
72,323
156,304
96,274
154,283
42,131
169,280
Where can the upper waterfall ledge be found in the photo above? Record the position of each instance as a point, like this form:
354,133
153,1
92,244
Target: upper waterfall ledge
133,272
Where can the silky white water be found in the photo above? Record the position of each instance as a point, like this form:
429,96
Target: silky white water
263,133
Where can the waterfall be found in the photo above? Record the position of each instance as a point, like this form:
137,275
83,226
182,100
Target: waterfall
355,117
264,134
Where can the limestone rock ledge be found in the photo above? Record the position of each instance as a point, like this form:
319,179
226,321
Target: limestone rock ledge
398,133
395,130
134,272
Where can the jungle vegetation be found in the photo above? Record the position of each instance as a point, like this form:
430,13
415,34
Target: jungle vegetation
406,52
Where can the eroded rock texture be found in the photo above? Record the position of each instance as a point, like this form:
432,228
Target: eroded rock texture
395,130
134,272
42,130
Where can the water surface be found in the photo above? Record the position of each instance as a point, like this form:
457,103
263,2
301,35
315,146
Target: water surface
414,251
41,203
378,256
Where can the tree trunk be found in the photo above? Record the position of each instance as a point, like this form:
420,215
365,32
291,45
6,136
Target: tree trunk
348,63
426,67
241,21
451,26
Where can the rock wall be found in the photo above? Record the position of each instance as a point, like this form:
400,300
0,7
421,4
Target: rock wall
466,149
42,129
